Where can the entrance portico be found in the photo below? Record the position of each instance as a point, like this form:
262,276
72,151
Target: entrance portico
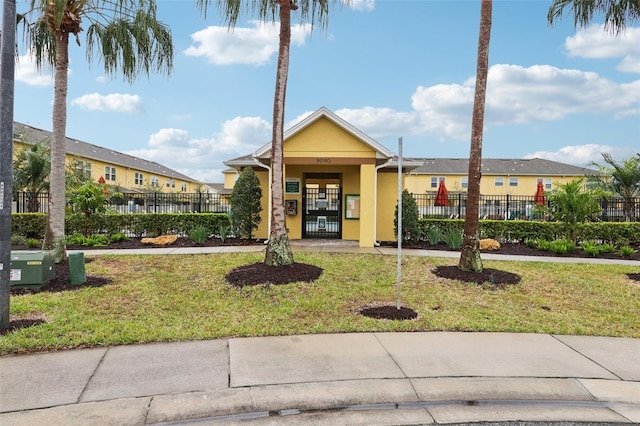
339,183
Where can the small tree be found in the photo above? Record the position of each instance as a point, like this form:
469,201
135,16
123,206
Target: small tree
572,204
410,218
90,200
31,169
245,203
621,178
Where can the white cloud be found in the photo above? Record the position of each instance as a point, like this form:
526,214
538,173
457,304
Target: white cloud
542,93
364,5
581,155
380,122
201,158
116,102
596,43
249,46
515,95
27,72
101,79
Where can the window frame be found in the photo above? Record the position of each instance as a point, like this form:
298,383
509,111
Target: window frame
138,178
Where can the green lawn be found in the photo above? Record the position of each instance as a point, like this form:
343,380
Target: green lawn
184,297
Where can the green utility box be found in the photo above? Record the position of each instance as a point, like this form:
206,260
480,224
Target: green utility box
76,268
31,269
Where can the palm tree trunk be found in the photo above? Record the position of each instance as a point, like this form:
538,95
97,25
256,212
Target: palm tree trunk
470,256
278,252
54,235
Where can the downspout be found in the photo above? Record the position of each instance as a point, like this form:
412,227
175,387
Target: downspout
376,243
269,199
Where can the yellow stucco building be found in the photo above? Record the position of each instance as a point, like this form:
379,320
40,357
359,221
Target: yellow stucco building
340,183
118,169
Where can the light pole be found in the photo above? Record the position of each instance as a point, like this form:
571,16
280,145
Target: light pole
7,71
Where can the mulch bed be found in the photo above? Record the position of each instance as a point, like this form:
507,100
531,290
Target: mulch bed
488,276
259,273
389,312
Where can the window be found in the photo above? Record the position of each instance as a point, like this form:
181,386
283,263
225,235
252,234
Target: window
173,183
464,182
168,183
109,173
184,187
498,181
138,179
513,181
435,180
546,181
155,182
84,168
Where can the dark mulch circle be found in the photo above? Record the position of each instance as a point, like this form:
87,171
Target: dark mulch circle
494,277
634,277
62,281
22,323
389,312
259,273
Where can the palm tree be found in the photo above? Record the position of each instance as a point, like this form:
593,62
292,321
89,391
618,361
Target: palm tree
622,179
278,252
470,255
31,169
617,12
127,37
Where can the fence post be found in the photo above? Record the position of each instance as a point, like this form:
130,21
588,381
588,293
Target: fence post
460,206
155,202
199,202
507,213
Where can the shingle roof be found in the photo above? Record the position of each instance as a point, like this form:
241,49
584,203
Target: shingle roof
218,187
31,135
501,166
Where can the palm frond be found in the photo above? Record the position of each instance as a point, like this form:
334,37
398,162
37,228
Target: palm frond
617,13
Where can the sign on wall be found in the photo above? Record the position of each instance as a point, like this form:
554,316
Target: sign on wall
352,206
292,186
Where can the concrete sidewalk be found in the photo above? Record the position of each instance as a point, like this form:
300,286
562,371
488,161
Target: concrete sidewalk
361,378
343,246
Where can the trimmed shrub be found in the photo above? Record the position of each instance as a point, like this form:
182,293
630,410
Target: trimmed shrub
410,218
245,203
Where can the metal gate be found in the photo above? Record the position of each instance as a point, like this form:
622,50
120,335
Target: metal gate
322,213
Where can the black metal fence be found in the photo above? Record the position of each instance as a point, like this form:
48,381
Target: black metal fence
154,202
502,207
505,207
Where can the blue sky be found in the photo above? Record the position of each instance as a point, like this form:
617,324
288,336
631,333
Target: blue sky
390,68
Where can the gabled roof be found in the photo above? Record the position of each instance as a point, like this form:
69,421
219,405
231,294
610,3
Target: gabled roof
381,151
501,166
242,161
218,188
31,135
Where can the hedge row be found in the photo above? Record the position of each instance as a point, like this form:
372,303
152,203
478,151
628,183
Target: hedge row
32,225
522,230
